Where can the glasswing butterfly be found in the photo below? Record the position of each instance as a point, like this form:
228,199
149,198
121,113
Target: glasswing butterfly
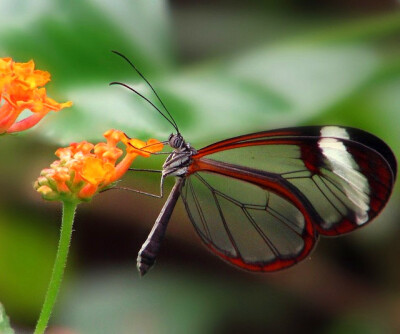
260,201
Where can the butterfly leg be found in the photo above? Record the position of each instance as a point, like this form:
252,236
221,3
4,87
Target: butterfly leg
145,170
140,191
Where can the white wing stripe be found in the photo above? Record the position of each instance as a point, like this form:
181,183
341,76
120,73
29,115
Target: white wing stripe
342,164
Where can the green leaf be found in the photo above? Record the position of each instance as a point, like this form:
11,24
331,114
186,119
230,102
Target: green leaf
280,85
271,87
262,89
73,40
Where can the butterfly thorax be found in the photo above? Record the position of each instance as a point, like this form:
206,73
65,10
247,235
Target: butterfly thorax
179,160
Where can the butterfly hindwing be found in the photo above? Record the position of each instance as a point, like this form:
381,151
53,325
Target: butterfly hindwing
245,224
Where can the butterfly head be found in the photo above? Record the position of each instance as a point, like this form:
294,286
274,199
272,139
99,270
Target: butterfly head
176,140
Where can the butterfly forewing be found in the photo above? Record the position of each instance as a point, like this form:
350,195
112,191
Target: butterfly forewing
281,186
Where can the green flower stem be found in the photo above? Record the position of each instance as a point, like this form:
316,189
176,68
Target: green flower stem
69,208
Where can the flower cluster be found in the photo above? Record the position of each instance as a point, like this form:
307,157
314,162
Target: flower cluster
19,90
84,169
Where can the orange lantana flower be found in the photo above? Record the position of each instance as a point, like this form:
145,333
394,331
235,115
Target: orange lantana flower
84,169
19,90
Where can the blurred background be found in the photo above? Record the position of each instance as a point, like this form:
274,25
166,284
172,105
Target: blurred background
223,68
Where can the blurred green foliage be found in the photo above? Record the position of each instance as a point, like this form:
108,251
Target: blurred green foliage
21,272
196,304
270,85
222,71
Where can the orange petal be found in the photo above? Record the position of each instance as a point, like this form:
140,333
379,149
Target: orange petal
135,146
8,115
154,145
123,166
96,171
26,123
87,191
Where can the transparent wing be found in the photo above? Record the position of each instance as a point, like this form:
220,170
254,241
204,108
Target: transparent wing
246,224
345,174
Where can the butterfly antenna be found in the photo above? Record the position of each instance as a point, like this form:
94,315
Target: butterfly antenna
151,87
146,99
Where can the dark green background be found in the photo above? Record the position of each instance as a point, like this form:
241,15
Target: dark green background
223,68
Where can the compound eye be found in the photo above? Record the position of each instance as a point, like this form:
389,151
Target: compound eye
175,141
178,141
